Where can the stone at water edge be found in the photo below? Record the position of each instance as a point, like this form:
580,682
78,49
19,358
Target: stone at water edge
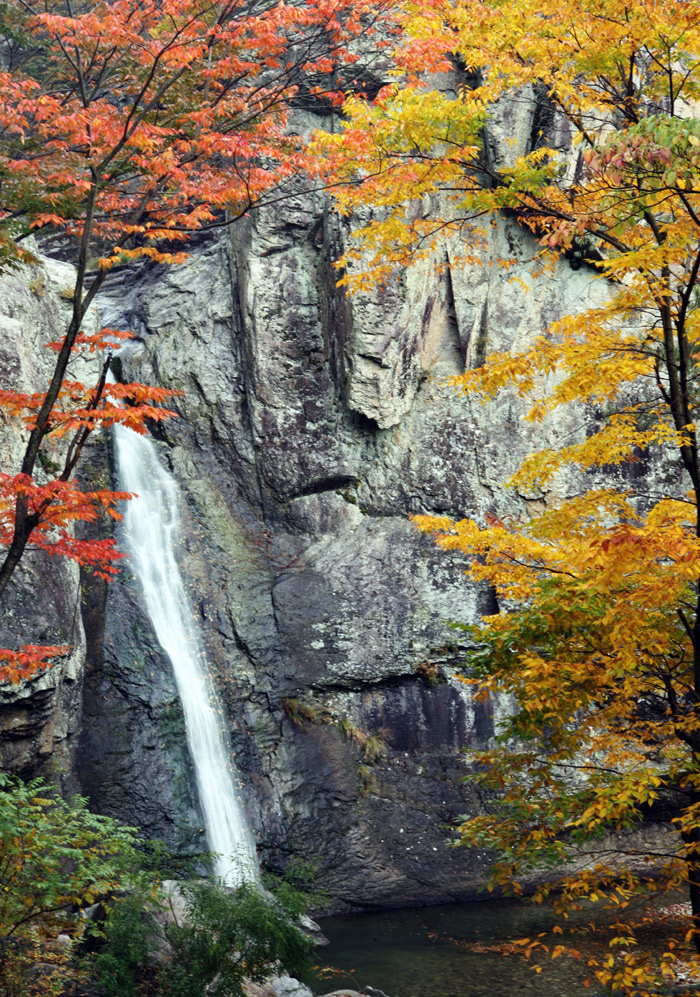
313,930
286,986
275,988
346,993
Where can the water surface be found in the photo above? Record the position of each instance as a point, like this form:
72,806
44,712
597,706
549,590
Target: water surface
445,952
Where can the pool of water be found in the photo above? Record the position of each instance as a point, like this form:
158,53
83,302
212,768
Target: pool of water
447,951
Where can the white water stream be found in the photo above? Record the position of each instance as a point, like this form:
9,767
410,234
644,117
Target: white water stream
151,527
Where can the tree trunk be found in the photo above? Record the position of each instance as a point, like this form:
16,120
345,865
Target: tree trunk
24,524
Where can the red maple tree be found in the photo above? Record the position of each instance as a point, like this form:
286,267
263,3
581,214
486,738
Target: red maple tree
128,125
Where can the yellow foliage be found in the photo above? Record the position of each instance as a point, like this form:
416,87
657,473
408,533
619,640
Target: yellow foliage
600,644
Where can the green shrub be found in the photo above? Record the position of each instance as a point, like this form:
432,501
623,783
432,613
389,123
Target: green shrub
295,889
231,935
227,936
55,856
121,965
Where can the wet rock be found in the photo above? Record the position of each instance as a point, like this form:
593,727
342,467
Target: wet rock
134,763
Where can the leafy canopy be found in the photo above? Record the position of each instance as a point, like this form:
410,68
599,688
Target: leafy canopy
599,639
141,121
125,127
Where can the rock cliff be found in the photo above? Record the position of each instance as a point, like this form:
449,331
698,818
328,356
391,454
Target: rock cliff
311,426
40,721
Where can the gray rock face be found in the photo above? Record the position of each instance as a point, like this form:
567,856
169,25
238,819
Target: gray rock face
133,755
311,427
39,720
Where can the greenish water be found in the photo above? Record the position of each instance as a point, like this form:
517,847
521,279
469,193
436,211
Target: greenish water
439,952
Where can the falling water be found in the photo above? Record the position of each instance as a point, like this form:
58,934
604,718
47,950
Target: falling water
151,522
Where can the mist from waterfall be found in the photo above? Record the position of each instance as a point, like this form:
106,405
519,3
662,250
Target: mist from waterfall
151,529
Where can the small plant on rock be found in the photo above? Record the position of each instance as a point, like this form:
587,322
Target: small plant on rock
368,780
298,711
375,747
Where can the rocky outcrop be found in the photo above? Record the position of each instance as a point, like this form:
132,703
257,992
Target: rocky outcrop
39,720
133,754
311,427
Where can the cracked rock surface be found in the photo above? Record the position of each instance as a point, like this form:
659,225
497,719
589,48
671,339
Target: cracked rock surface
312,427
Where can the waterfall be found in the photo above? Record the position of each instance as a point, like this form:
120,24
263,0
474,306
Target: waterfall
151,527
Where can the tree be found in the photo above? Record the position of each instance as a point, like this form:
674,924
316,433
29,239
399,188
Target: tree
600,637
214,940
55,857
127,126
230,938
